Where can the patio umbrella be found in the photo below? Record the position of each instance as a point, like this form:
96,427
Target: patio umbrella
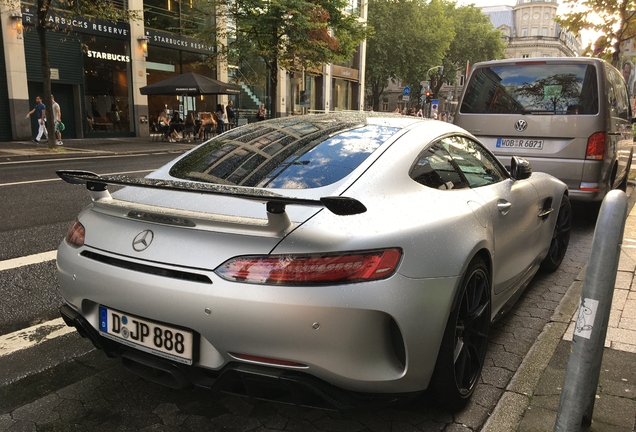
190,84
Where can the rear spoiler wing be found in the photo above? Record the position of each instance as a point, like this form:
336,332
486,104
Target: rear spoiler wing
98,185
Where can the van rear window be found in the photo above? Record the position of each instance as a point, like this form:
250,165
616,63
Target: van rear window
532,89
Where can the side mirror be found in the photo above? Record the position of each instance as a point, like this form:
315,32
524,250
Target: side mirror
520,169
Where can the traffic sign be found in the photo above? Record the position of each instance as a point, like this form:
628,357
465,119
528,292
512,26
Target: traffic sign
406,91
406,98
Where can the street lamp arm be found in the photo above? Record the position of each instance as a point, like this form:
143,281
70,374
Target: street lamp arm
433,68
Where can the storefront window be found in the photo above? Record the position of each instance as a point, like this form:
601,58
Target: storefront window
341,94
308,96
184,17
106,81
301,97
161,14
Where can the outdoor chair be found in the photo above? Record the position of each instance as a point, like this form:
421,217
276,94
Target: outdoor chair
209,131
189,132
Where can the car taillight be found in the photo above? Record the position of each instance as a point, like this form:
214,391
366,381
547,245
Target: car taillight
312,269
75,236
596,146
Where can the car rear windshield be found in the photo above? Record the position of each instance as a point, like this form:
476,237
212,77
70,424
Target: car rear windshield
287,155
532,89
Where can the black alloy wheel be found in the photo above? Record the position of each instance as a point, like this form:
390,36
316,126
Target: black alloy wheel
463,349
560,237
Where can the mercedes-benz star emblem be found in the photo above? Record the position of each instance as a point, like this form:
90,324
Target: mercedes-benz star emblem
142,240
521,125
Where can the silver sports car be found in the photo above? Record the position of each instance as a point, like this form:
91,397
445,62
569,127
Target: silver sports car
341,259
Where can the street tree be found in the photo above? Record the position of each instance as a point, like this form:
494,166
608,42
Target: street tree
475,40
101,9
411,36
614,19
289,34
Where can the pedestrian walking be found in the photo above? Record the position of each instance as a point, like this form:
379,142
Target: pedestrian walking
229,111
57,118
260,114
40,111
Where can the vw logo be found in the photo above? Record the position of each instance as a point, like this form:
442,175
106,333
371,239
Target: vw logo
142,240
521,125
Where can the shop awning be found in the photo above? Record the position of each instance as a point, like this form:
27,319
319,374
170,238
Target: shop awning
190,84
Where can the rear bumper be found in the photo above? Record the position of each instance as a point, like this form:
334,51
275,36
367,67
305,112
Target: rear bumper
254,381
380,337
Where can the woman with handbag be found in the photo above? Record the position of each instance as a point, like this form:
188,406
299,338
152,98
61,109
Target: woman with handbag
260,114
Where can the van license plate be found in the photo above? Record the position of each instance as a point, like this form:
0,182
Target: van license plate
520,143
164,341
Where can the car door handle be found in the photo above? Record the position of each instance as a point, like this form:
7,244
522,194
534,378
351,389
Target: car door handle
504,207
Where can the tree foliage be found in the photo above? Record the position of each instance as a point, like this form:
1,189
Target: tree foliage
614,19
439,34
290,34
551,93
475,40
411,36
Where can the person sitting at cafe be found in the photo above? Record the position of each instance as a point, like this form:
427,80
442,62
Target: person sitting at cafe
176,127
207,123
190,125
163,124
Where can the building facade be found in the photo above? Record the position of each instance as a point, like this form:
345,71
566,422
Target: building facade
98,67
530,30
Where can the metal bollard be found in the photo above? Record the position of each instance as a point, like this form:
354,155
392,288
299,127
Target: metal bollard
584,365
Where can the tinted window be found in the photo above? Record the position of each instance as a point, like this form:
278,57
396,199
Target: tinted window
532,89
454,163
617,94
287,154
477,165
434,168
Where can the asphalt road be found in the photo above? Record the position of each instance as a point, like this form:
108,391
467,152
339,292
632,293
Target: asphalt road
87,391
37,210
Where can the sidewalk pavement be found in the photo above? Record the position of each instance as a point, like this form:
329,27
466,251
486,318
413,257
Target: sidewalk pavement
531,399
27,150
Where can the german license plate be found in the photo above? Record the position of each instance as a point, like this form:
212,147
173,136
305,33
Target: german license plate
520,143
164,341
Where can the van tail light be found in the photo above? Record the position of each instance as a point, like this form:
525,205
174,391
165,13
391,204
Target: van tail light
596,146
312,269
75,236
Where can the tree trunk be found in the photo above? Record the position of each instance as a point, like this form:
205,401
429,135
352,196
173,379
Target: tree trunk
43,9
273,86
376,93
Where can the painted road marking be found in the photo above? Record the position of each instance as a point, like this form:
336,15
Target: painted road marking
28,260
32,336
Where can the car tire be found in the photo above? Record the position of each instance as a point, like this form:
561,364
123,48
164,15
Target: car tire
463,349
560,237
